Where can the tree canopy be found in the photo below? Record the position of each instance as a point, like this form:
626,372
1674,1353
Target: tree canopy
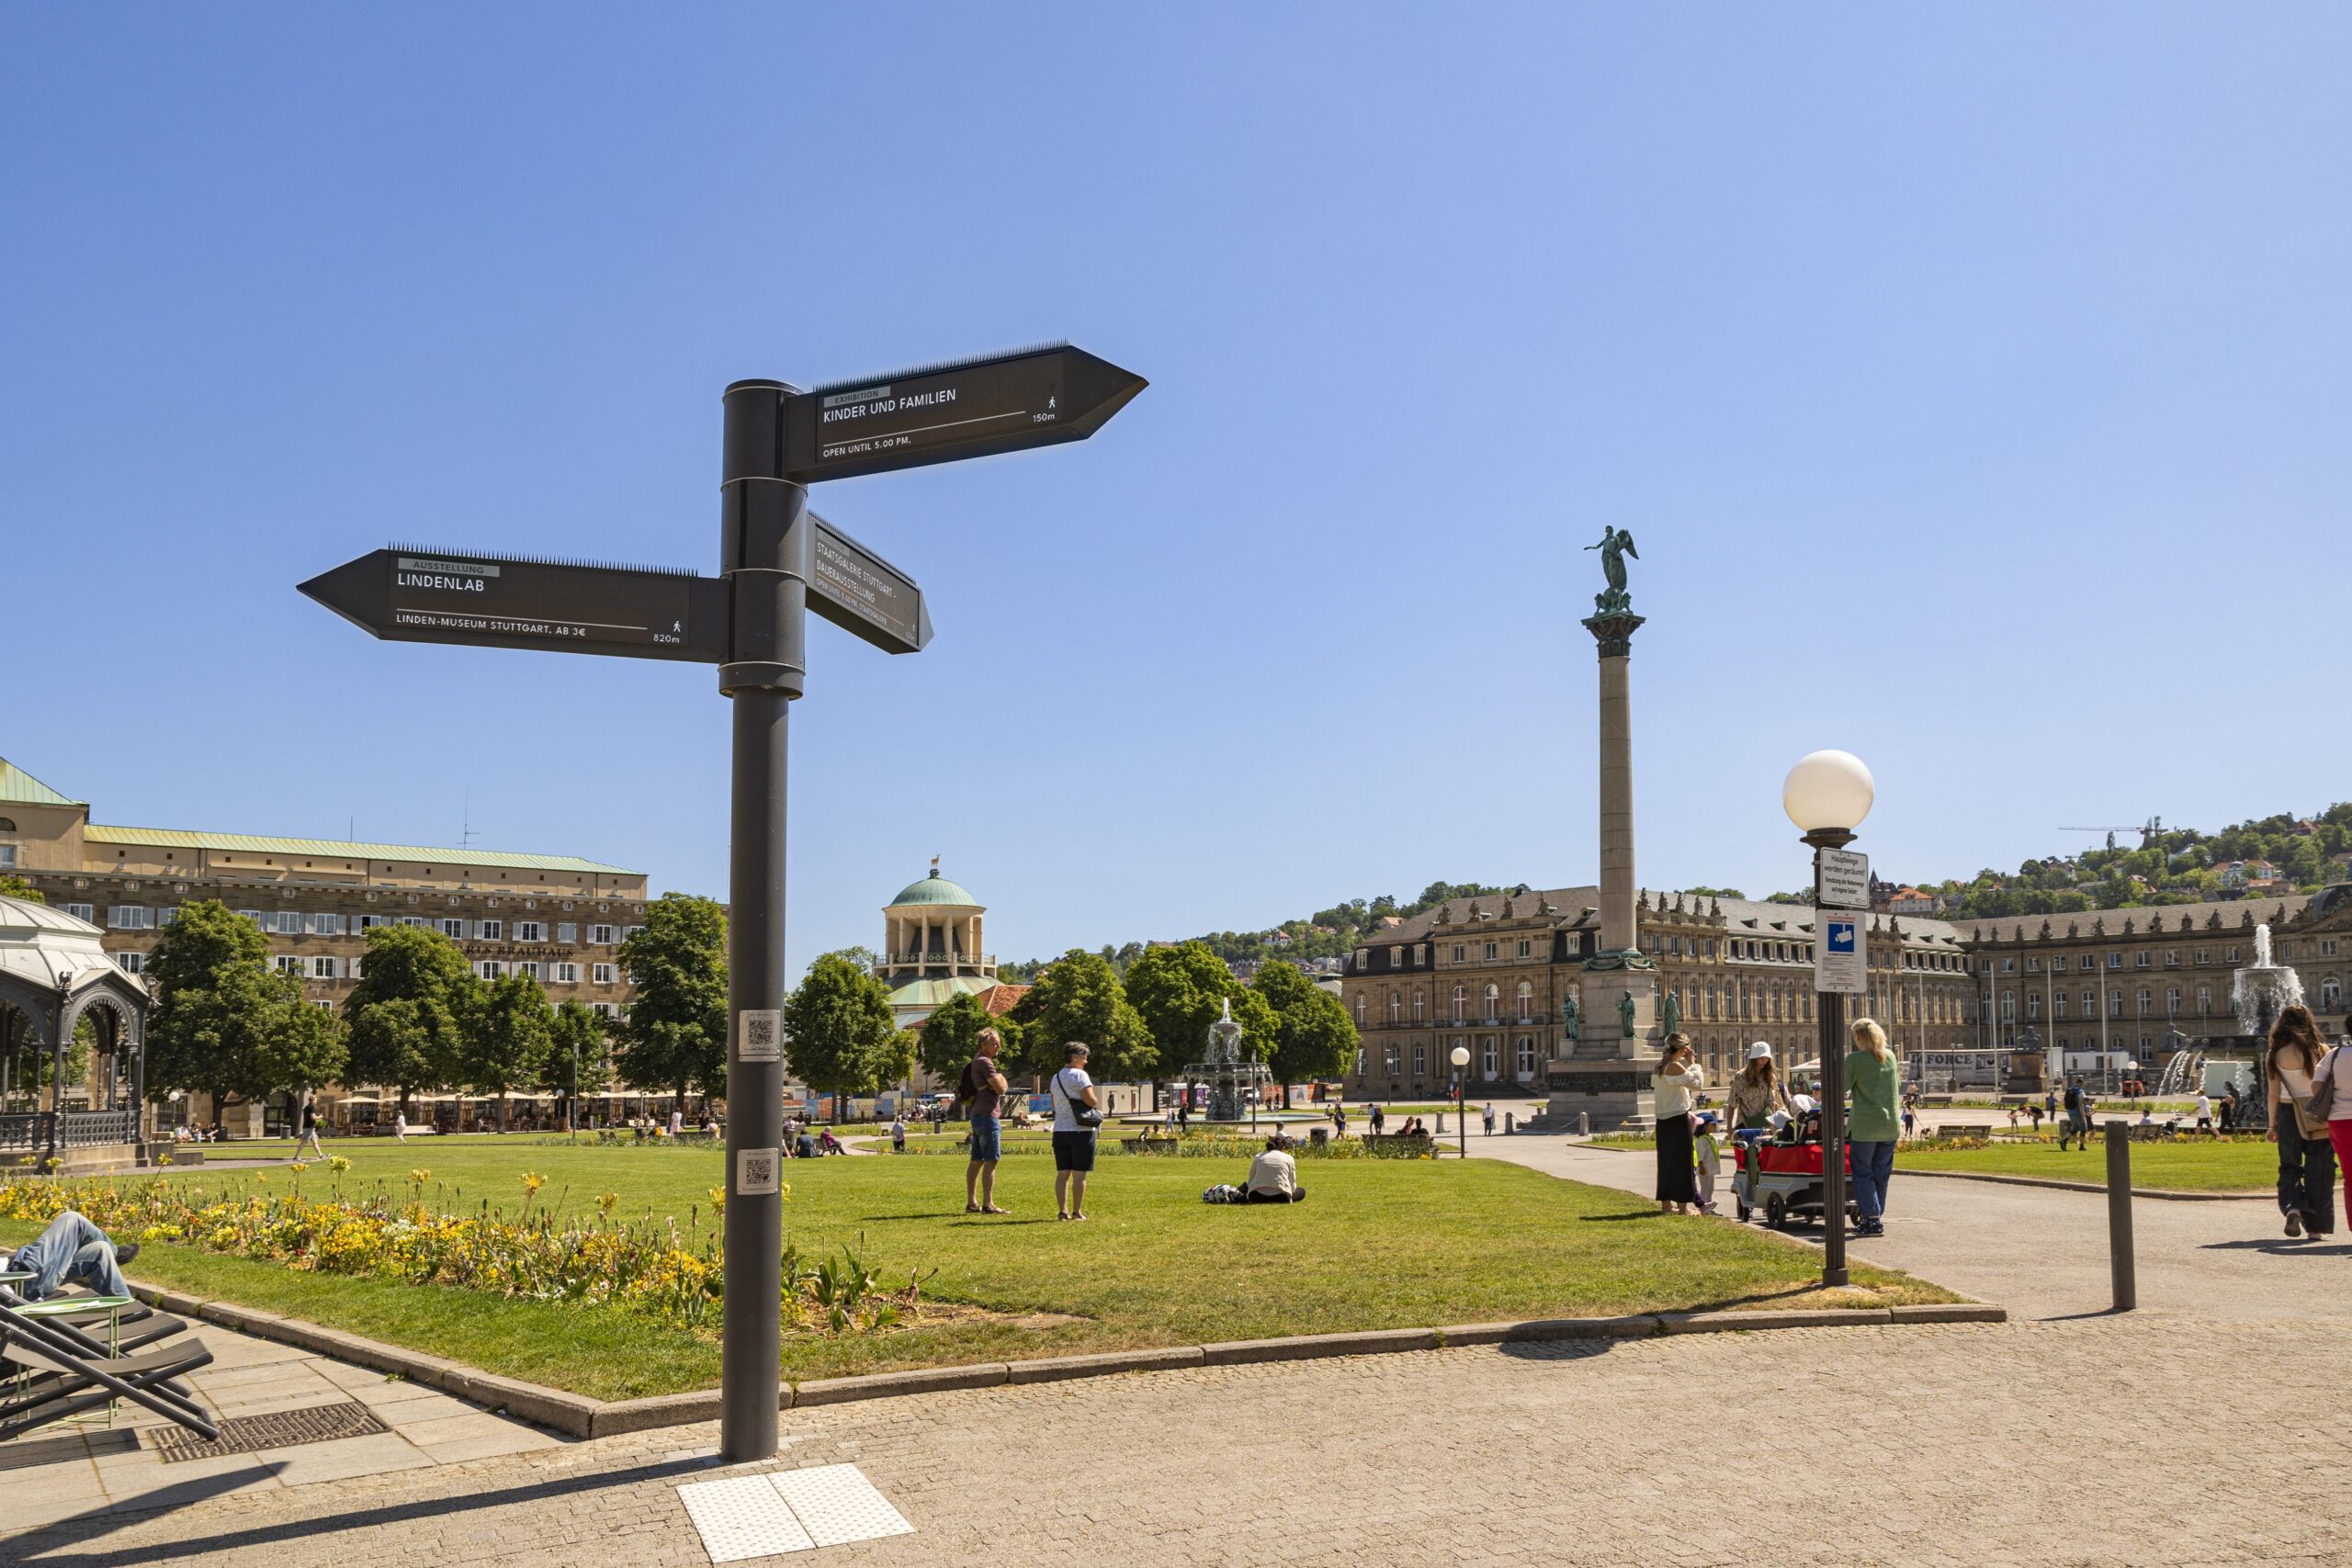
950,1036
839,1033
1080,998
675,1036
1314,1037
411,1010
223,1024
507,1046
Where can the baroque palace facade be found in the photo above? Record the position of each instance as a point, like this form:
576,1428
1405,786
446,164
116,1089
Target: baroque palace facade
557,917
1491,972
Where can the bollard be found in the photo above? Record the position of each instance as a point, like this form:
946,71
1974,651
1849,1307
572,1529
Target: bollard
1441,1123
1583,1123
2119,1216
1508,1129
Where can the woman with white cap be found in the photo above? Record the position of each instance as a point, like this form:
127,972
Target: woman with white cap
1756,1093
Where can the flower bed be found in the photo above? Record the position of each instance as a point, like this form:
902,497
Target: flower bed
595,1259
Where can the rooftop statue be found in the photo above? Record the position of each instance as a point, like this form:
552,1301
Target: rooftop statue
1615,545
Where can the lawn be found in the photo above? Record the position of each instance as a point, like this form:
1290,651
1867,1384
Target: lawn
1380,1243
2195,1165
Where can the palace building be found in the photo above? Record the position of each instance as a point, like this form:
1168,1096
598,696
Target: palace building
558,919
1491,972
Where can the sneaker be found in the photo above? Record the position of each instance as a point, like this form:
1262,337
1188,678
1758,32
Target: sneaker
125,1253
2294,1224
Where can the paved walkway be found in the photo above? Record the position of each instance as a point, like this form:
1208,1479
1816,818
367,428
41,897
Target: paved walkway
2096,1443
2041,1251
64,1472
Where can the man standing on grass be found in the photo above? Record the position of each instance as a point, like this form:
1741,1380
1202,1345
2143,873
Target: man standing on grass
982,1092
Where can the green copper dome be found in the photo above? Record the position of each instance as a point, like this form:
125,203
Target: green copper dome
934,889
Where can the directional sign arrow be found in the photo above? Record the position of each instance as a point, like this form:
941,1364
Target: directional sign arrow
861,592
936,414
490,601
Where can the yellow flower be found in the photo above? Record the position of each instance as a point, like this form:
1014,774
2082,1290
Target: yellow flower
261,1176
298,1168
532,1181
337,1164
420,1177
606,1201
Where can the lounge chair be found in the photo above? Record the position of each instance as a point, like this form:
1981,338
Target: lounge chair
67,1380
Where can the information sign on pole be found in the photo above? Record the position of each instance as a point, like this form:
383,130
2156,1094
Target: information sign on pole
492,601
1845,880
1008,403
1838,952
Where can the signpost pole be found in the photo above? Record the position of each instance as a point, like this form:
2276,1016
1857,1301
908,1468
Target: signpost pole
1831,1006
764,554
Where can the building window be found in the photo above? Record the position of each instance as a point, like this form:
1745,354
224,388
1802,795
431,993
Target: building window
489,930
2172,1001
2008,966
490,969
2058,1005
530,931
567,973
130,918
2115,961
323,925
286,964
1421,954
1526,948
1416,1009
1388,1060
2139,961
1488,1003
1359,1010
2086,962
533,971
606,974
7,857
2172,958
1526,1056
1526,1002
131,962
1395,958
567,931
321,968
2008,1007
1461,1004
455,930
1490,1058
603,936
79,911
2204,999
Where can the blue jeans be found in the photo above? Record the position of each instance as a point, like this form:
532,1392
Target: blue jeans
988,1140
71,1251
1873,1168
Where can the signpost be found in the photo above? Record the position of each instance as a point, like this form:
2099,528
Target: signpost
1842,880
777,560
1840,962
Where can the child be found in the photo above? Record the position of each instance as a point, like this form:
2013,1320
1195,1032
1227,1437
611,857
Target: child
1707,1154
898,1134
1910,1122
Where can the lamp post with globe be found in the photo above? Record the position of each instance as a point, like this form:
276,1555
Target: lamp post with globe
1827,795
1461,1059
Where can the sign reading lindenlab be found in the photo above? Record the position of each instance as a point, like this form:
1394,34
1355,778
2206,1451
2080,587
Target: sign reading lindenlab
1007,404
488,601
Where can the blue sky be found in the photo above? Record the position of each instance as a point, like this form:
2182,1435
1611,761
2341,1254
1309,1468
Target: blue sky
1973,380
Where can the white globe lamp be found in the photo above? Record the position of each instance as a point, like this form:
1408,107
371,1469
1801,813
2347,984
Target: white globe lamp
1460,1055
1828,791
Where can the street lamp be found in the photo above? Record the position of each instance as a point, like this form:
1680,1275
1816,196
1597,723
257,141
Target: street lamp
1827,795
1461,1059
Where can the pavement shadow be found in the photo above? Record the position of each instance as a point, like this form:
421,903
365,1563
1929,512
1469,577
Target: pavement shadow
1533,1348
2280,1245
101,1521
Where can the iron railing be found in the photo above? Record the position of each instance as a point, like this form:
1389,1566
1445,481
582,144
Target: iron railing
25,1130
82,1129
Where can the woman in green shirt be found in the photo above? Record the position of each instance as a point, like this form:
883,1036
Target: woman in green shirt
1872,1121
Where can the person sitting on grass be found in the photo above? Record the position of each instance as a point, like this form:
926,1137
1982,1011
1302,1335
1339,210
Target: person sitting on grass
73,1251
1273,1177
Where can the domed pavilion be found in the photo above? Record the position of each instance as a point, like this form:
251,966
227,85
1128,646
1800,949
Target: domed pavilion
55,973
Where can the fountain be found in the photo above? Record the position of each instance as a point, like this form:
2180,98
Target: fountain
2259,990
1231,1078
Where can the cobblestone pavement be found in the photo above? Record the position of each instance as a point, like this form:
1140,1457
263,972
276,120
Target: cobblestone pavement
2041,1251
2110,1442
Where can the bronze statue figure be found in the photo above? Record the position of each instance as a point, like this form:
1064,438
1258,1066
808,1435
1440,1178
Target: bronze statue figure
1671,1018
1626,1012
1615,545
1571,1022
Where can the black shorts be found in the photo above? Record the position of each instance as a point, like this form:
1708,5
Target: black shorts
1074,1151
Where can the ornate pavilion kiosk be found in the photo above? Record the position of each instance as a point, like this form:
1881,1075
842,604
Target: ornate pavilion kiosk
53,976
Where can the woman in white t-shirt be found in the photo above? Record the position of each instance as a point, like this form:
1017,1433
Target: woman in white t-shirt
2306,1164
1071,1091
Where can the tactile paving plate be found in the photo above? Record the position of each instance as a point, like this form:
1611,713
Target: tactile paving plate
792,1510
279,1429
741,1516
837,1504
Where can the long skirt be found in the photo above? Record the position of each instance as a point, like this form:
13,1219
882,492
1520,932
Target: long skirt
1678,1176
2306,1173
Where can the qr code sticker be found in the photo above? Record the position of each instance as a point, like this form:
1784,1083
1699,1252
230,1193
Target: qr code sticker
758,1036
756,1171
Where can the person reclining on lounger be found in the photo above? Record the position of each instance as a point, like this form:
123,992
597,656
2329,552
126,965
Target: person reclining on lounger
1273,1177
73,1251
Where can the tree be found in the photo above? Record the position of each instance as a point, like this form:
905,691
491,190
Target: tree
224,1025
1314,1037
577,1060
1178,992
950,1036
839,1032
675,1035
1080,999
14,887
508,1043
411,1010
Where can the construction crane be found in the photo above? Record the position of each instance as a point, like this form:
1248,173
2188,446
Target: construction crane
2147,830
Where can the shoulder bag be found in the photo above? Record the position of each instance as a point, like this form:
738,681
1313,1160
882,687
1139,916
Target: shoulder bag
1088,1117
2311,1112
